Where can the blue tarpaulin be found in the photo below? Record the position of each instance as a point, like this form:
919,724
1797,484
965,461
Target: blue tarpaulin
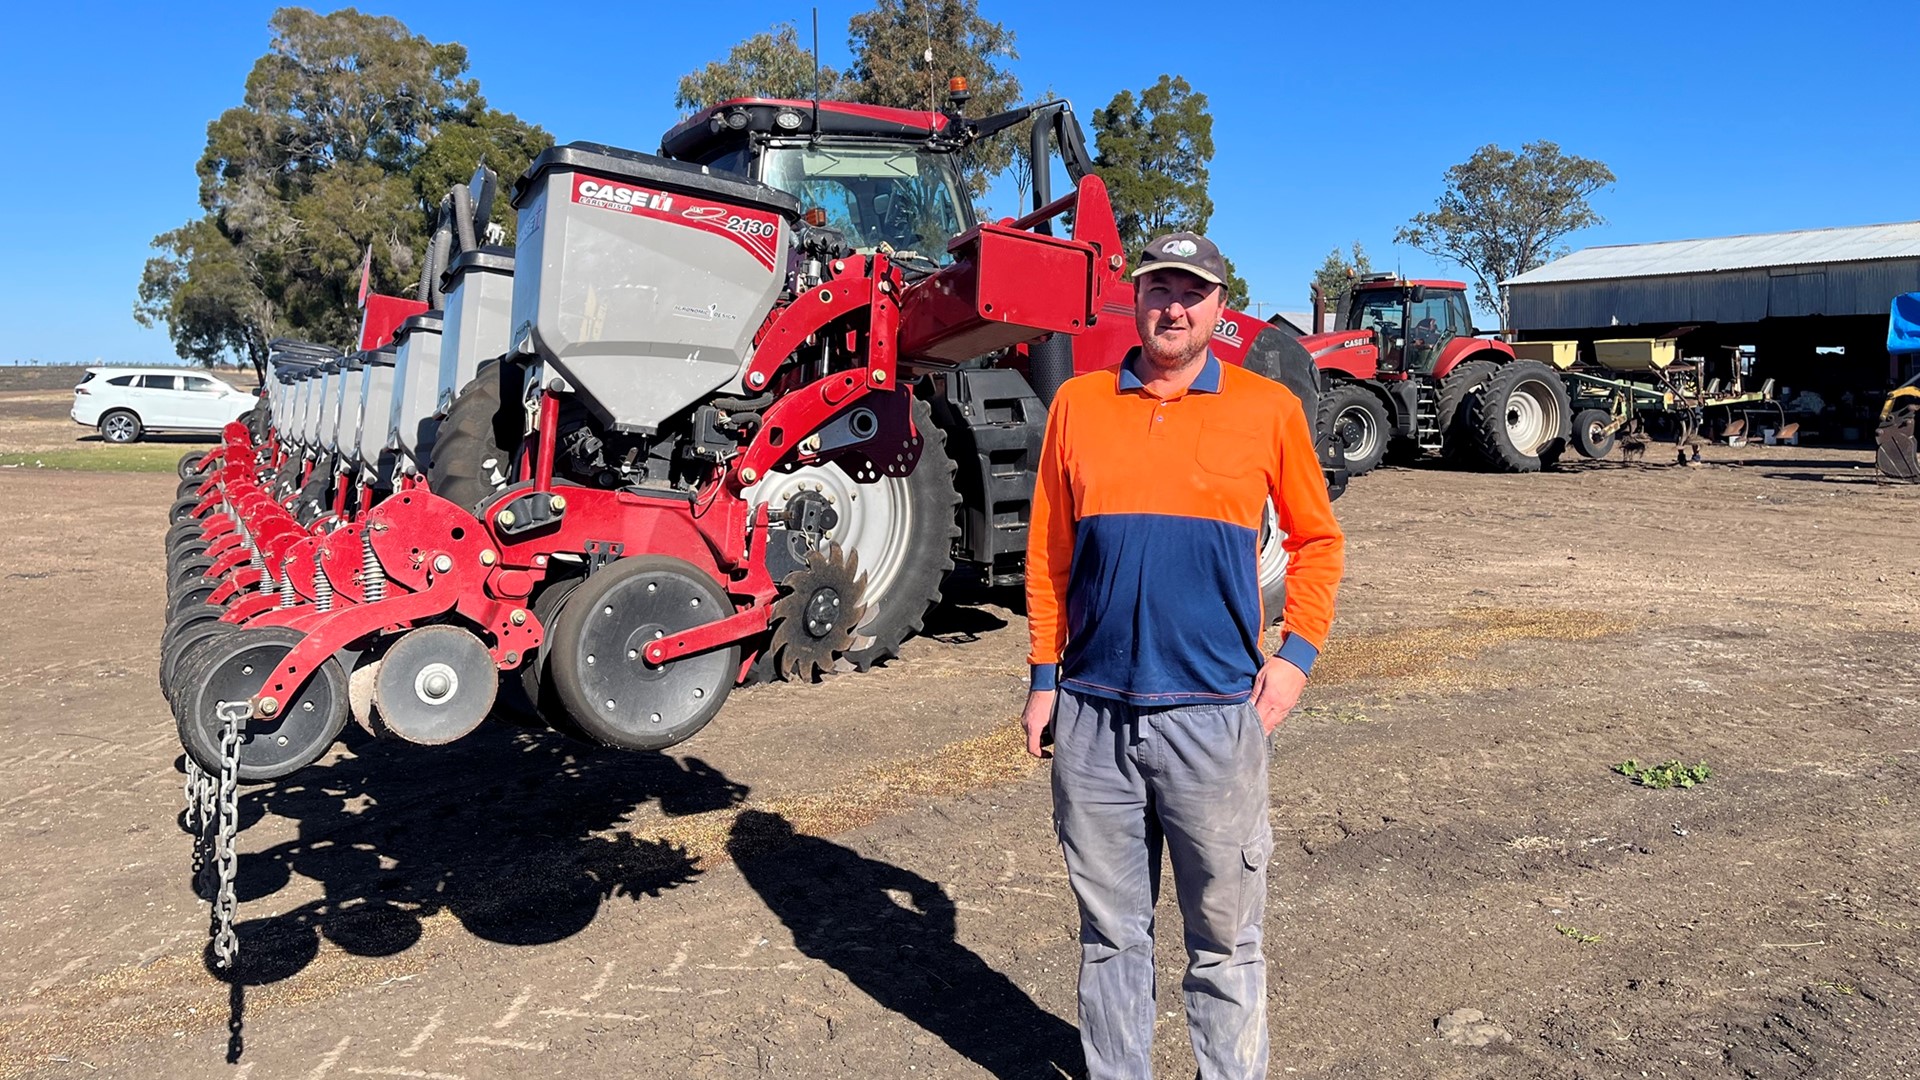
1903,329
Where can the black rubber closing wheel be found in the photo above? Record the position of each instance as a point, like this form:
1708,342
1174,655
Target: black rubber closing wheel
435,684
191,464
184,632
225,672
182,509
195,548
609,690
187,599
1592,434
184,572
181,532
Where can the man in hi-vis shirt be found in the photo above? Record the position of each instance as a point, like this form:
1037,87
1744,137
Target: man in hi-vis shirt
1143,596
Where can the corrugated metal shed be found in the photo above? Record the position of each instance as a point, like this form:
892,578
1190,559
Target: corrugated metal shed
1860,243
1735,279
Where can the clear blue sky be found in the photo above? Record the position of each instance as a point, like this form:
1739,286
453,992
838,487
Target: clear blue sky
1333,122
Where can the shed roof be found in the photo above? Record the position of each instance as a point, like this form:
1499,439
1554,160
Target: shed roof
1857,243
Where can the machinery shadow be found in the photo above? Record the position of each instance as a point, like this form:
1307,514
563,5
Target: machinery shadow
1868,477
512,831
841,908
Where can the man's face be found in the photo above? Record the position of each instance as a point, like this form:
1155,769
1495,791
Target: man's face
1175,312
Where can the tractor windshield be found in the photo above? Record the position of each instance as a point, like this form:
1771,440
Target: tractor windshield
1380,310
908,199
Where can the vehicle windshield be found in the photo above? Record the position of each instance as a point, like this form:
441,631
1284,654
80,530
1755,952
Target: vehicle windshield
907,199
1379,309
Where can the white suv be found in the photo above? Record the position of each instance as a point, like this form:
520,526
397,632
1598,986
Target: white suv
125,403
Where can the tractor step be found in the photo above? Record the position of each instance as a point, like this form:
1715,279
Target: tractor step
1426,416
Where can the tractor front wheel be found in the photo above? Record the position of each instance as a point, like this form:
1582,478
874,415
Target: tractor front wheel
1360,426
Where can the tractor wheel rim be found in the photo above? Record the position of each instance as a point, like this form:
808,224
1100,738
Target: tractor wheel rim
119,428
876,520
1358,432
1532,416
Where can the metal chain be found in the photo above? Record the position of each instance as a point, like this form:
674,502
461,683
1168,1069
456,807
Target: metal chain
200,794
226,946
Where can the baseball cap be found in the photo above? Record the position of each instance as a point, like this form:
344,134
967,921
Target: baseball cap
1183,251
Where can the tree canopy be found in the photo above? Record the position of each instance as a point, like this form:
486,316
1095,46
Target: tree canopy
349,131
772,64
1337,272
1501,213
1152,150
904,52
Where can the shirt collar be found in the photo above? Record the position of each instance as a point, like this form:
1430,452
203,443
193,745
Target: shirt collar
1207,382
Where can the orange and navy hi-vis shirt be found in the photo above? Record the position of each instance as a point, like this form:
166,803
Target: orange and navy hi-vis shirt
1143,580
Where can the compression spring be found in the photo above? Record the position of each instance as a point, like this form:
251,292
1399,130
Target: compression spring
322,588
373,576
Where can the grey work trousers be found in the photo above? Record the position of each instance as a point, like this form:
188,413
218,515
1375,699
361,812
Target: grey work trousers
1128,783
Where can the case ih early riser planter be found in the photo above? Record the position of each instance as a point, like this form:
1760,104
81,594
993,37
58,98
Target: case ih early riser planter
732,412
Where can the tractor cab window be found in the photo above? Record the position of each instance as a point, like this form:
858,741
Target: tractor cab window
734,161
909,200
1381,311
1436,321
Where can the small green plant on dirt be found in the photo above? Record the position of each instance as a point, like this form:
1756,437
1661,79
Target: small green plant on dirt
1837,987
1577,934
1670,774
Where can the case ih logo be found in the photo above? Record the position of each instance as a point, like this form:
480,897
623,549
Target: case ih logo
615,196
755,230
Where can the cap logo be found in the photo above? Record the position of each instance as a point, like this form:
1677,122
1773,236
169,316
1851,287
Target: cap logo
1181,249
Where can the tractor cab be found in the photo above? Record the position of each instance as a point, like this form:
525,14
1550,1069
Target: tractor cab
883,178
1412,322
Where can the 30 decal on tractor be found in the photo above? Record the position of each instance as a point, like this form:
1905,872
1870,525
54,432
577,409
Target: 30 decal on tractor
732,412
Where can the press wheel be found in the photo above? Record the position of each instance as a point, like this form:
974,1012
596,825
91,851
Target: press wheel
612,694
230,669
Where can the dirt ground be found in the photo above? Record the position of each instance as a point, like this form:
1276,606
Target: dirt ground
858,878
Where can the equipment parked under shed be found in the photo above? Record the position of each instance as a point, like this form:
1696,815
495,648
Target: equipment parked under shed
1811,303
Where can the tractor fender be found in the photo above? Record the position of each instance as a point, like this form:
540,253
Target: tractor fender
1460,350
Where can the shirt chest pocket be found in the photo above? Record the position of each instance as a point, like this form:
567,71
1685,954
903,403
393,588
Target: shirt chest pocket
1232,452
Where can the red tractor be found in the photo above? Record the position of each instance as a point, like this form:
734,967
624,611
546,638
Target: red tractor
1407,373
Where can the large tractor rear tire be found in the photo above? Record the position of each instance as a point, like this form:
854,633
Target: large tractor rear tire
470,463
1521,418
1360,424
901,532
1456,390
